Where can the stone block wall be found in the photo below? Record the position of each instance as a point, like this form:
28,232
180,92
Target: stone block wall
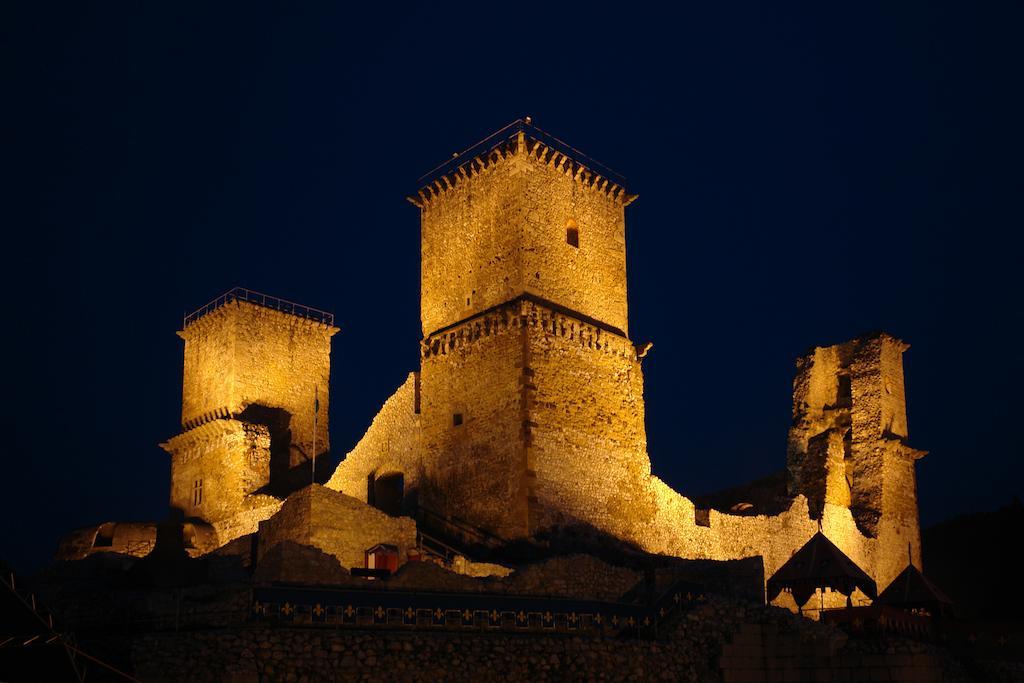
855,391
126,538
497,228
760,653
392,444
243,355
216,465
473,421
336,524
587,443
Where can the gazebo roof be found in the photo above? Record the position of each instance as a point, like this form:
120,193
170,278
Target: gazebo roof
913,589
819,564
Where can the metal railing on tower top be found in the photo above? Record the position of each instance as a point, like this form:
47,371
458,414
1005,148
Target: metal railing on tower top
265,300
508,132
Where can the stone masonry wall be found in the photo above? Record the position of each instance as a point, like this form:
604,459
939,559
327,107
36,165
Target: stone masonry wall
242,355
337,524
497,229
587,444
228,459
473,422
719,640
392,444
126,538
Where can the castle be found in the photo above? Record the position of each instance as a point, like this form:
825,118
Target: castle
525,419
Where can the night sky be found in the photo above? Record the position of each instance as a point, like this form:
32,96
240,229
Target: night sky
806,174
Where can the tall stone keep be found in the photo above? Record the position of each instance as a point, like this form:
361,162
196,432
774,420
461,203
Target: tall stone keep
255,369
531,391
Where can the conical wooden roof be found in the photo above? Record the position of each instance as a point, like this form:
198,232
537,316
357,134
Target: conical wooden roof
819,564
912,589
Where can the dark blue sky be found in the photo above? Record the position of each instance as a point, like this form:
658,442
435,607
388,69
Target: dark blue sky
806,174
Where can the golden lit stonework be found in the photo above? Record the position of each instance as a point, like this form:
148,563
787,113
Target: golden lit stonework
525,417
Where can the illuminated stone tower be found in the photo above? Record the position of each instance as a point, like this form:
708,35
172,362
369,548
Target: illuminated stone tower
531,392
254,367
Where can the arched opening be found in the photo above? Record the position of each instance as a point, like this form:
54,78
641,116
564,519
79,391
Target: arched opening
188,536
389,493
104,536
572,234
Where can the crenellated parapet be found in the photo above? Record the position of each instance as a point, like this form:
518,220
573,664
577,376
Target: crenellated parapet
528,312
519,140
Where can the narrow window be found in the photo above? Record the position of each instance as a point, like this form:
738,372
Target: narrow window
197,492
572,234
457,419
845,390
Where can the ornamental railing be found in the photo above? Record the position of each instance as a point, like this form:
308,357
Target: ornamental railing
265,300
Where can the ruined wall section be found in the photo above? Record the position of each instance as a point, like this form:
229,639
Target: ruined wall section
855,392
497,228
587,443
883,491
244,357
392,444
722,536
473,422
126,538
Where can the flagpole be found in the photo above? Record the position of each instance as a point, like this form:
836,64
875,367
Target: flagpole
312,460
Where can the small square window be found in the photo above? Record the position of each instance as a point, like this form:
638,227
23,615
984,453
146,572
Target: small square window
457,419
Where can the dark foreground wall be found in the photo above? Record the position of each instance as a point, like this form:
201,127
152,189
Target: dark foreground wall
716,641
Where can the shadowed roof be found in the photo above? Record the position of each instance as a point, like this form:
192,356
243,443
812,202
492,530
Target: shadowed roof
819,564
913,589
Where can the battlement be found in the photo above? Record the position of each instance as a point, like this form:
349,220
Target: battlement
529,311
209,436
259,299
521,138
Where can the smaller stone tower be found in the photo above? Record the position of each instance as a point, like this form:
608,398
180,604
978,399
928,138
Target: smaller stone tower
848,442
255,368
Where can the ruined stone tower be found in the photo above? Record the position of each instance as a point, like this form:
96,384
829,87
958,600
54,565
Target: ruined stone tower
848,443
252,366
531,391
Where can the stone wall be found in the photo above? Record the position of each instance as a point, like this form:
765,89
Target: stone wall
584,429
719,640
250,377
761,653
497,229
392,444
531,419
473,422
243,355
246,520
336,524
214,466
848,443
126,538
